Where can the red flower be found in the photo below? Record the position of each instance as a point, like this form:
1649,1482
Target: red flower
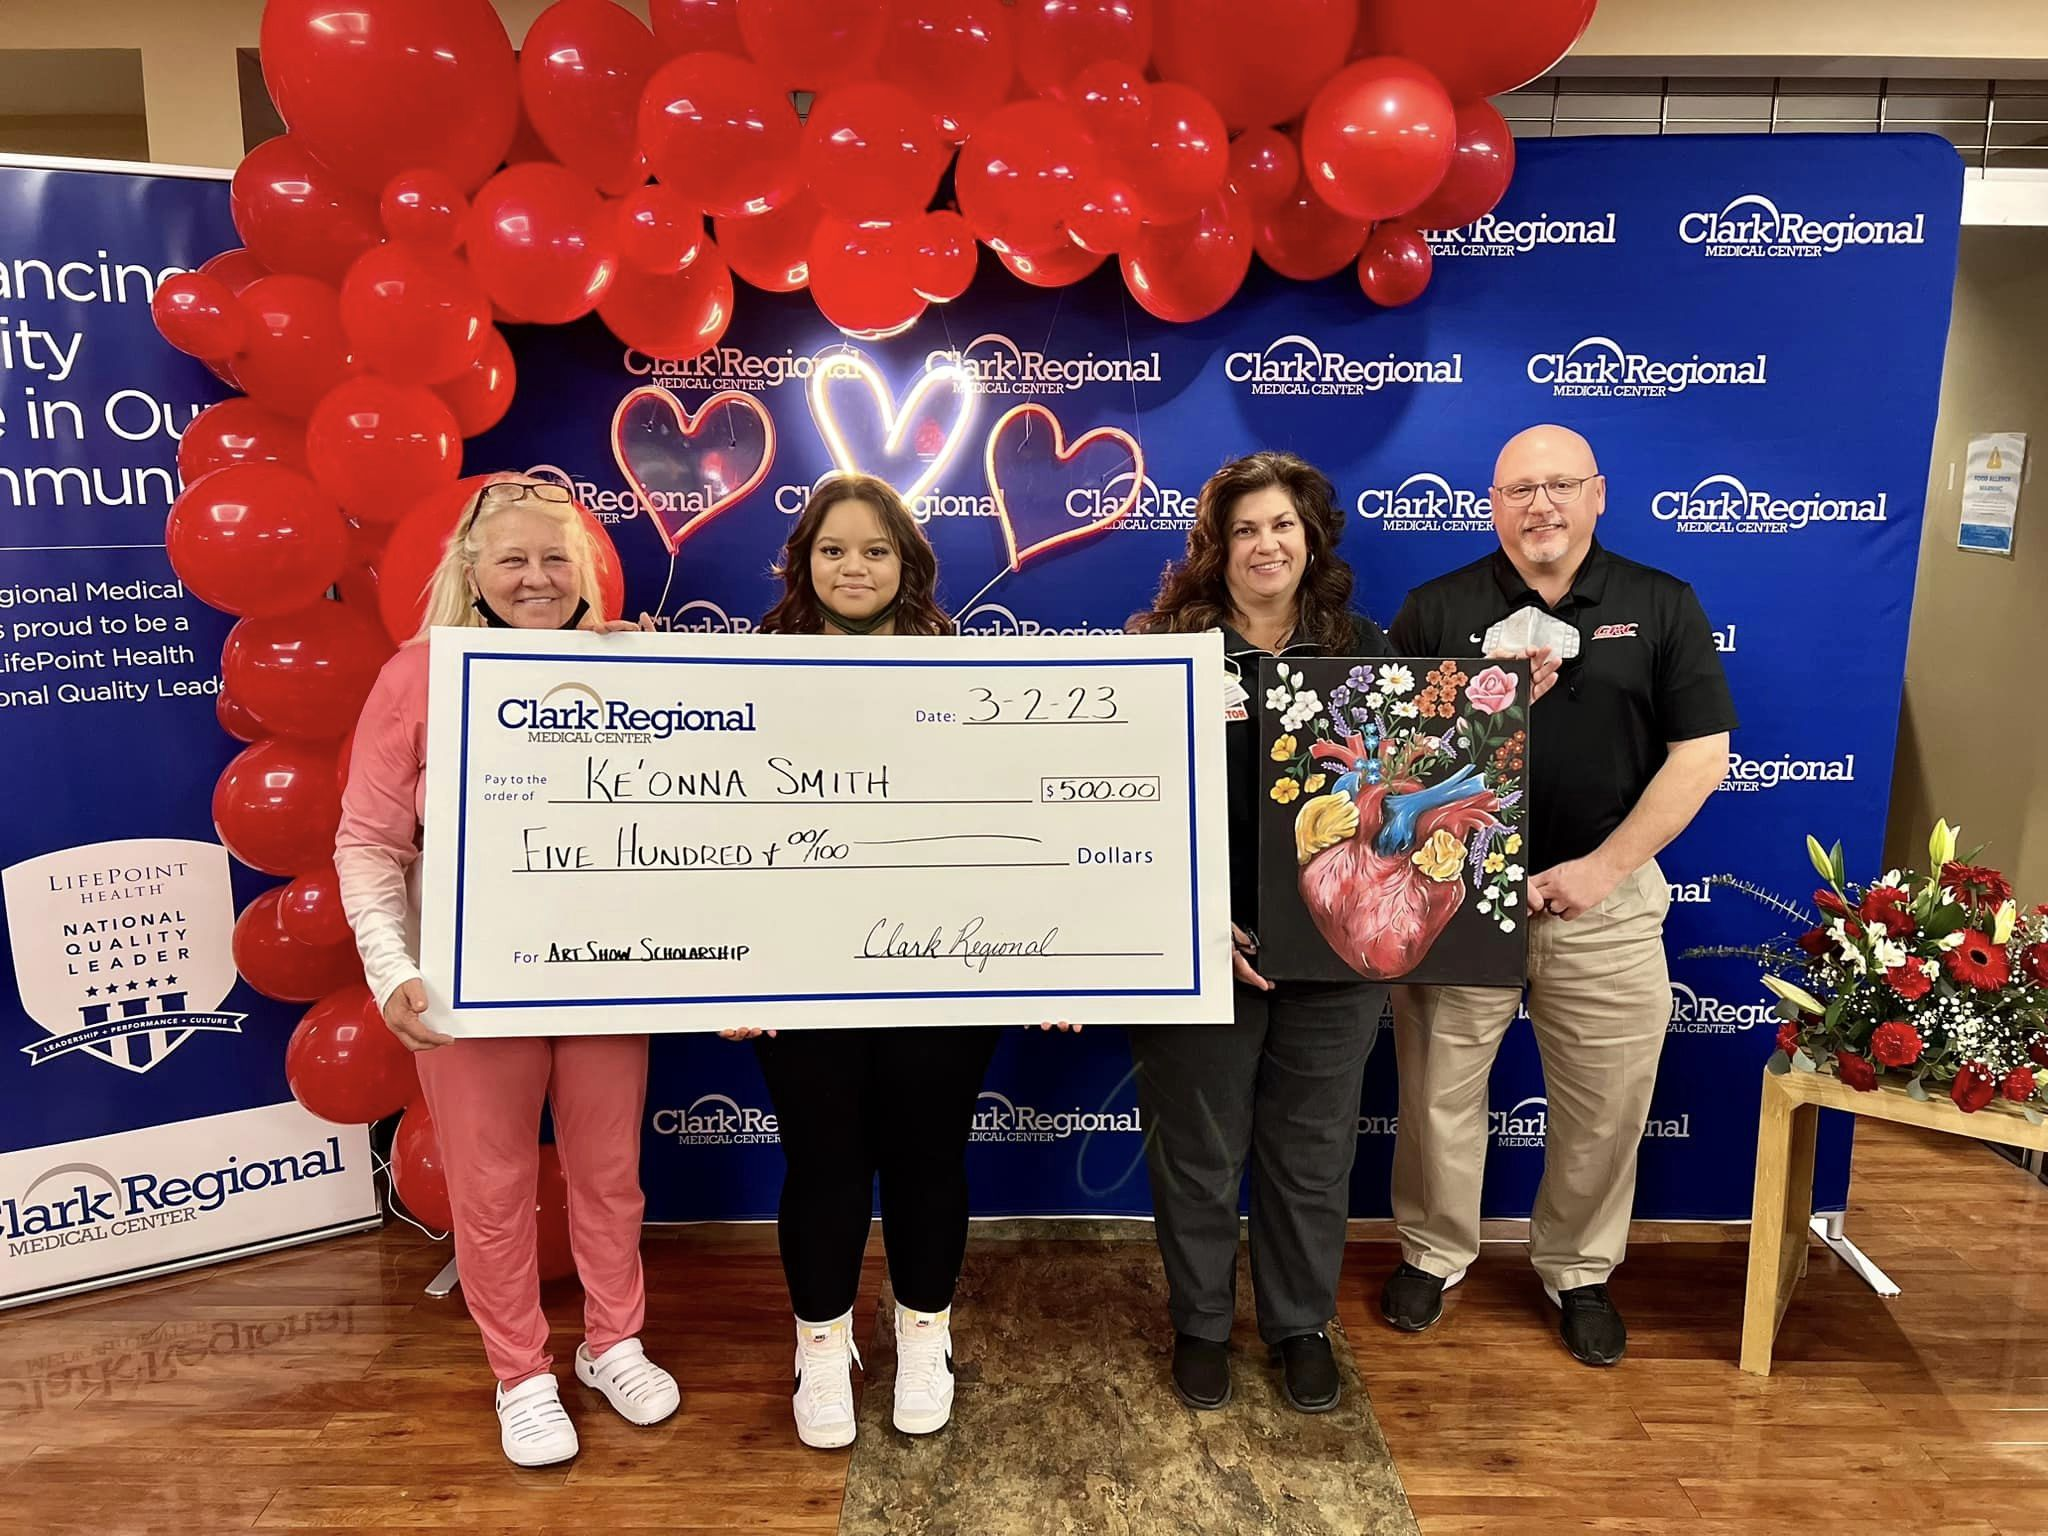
1977,962
1855,1071
1895,1043
1885,906
1788,1038
1815,942
1908,981
1973,1088
1831,904
1975,885
2034,961
2037,1051
2018,1085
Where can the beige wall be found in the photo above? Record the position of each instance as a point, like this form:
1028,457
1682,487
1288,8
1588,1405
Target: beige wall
1971,741
2005,38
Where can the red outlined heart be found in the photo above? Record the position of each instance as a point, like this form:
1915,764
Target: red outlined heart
1064,453
654,462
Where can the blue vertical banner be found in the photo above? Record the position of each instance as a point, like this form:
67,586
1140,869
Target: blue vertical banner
144,1119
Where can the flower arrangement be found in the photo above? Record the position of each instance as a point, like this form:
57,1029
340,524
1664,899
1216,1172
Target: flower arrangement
1938,982
1457,738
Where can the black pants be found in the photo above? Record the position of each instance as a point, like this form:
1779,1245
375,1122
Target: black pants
1278,1088
854,1103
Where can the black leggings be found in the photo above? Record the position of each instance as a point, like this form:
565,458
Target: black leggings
852,1103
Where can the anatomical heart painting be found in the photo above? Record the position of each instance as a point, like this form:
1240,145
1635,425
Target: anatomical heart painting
1392,823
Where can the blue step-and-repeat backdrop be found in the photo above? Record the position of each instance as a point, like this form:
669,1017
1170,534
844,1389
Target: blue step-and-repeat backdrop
1750,331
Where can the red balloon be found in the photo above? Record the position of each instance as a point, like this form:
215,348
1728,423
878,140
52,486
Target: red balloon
304,673
275,807
1377,139
296,214
861,276
552,1249
377,447
814,45
1259,64
309,910
672,317
1054,268
543,242
1478,48
870,152
237,268
296,350
1113,104
198,315
239,432
418,1171
1394,267
721,133
581,71
383,86
1264,166
955,56
357,589
416,545
1186,157
696,26
1482,165
659,233
1026,169
1105,223
482,393
1185,272
771,250
256,539
344,1064
235,720
416,316
424,207
942,256
1305,238
1057,39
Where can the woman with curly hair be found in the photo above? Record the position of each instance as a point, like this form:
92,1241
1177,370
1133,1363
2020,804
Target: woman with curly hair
1280,1085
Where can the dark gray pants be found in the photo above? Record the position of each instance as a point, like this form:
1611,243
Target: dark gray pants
1279,1086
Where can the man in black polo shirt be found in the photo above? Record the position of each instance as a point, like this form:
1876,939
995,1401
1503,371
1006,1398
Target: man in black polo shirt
1624,751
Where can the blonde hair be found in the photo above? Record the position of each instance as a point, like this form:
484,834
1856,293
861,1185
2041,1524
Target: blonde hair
450,602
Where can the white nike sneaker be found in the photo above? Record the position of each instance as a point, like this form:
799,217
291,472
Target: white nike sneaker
642,1391
533,1427
924,1370
823,1402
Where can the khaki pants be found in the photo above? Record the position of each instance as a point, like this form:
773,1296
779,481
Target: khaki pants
1600,1000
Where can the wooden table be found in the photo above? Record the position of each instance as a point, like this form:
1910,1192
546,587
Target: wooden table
1792,1102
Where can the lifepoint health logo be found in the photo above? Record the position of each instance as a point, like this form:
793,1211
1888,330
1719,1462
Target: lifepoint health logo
1296,365
996,365
995,619
1427,503
1695,1014
717,1120
1599,366
1753,225
1727,504
1492,235
998,1118
1748,774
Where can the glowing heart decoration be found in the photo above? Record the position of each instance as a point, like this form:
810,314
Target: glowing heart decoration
909,443
687,467
1034,475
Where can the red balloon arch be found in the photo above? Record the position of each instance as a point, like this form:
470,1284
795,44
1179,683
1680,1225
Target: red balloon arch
433,186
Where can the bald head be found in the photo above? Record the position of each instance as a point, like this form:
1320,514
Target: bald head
1547,495
1551,450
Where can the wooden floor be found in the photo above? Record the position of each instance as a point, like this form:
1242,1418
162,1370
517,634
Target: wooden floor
320,1390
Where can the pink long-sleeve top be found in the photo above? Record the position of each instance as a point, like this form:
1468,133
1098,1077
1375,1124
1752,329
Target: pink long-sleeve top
377,848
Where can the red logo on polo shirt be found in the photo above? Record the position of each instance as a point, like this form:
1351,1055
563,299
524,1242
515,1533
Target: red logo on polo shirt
1615,632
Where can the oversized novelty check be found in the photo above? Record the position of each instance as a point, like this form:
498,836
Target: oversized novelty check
629,833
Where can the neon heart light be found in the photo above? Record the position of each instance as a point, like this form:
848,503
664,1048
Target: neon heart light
845,384
1063,453
687,467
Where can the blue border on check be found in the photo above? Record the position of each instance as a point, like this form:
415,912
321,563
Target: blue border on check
1186,665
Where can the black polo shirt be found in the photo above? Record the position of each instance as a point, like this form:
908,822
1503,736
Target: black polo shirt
1646,674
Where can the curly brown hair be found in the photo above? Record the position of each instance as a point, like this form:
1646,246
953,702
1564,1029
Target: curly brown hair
1193,595
917,609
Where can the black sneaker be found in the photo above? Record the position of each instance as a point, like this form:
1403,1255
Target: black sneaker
1201,1371
1413,1299
1308,1377
1592,1329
